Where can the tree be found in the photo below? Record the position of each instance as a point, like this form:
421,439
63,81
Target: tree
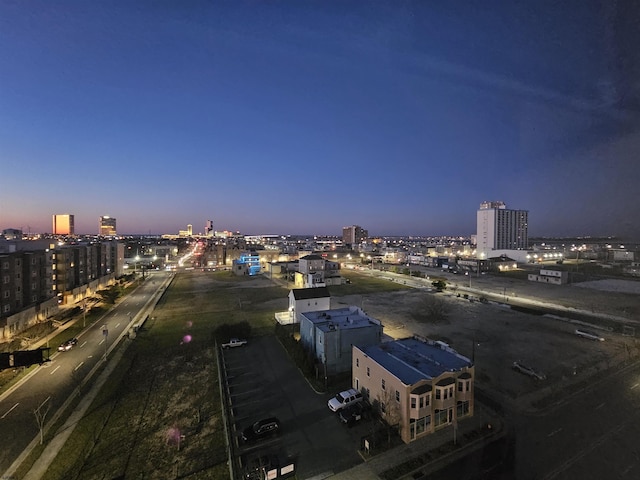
390,411
439,285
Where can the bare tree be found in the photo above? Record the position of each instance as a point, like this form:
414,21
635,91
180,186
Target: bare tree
390,411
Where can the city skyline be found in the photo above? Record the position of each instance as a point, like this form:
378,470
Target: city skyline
301,119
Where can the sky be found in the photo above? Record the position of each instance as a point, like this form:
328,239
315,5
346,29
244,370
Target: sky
300,117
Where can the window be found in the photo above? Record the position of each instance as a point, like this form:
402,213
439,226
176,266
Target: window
6,308
413,401
384,387
460,386
441,417
397,396
438,394
368,372
383,408
357,362
462,408
421,402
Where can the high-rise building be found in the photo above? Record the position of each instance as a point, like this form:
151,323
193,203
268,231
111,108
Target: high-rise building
107,226
354,235
63,224
208,229
499,228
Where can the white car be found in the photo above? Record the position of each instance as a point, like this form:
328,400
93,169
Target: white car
344,399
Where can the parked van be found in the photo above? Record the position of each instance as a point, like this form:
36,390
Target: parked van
344,399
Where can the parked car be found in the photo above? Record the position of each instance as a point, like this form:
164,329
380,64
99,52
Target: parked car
351,415
344,399
234,342
260,429
68,345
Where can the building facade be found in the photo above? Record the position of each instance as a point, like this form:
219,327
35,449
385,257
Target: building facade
418,385
35,279
303,300
107,226
499,228
330,335
63,224
354,234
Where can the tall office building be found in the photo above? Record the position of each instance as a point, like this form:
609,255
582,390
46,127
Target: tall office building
499,228
354,235
208,229
107,226
63,224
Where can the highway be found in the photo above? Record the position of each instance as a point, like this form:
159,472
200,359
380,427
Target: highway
50,385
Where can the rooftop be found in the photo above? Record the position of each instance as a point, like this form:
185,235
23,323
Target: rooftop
411,359
340,318
306,293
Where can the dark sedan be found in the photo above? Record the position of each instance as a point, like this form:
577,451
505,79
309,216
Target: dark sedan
260,429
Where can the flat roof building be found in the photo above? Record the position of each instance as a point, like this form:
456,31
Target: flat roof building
330,335
417,384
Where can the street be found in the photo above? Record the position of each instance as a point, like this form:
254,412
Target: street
54,383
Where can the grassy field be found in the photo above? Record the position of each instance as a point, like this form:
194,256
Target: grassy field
159,415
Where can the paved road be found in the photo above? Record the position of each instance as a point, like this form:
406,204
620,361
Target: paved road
53,383
591,435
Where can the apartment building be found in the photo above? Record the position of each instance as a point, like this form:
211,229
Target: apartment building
354,235
37,276
330,335
417,384
500,228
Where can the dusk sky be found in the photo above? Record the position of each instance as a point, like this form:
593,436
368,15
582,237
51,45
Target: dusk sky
303,117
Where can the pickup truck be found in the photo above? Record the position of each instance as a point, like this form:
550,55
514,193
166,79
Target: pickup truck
234,342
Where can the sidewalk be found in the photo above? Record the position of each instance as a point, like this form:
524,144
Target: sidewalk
374,467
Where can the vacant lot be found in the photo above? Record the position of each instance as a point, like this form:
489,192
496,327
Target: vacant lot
160,416
495,335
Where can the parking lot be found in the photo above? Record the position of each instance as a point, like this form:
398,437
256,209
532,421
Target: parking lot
263,383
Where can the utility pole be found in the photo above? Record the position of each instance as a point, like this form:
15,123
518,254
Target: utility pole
105,334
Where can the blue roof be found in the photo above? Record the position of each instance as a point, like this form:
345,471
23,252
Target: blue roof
343,318
412,360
